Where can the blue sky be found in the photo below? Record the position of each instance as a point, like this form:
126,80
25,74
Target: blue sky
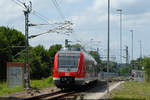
90,22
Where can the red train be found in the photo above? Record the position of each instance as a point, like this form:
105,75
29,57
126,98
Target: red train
73,68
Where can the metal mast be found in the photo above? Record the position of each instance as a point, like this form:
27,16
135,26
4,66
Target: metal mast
27,69
132,42
127,56
132,47
120,10
108,45
140,53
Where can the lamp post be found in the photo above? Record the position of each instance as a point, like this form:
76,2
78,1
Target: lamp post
132,45
132,42
120,12
140,54
108,43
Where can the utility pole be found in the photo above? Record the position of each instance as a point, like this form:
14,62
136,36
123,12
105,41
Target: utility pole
108,43
127,56
132,42
97,50
27,69
140,54
120,12
132,45
98,67
66,43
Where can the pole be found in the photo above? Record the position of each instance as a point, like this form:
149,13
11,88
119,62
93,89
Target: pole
132,45
27,82
120,10
127,56
108,45
132,42
66,43
121,36
140,54
27,69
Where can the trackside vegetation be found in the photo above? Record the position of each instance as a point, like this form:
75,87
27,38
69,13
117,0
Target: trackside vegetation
43,83
145,63
40,59
35,84
132,91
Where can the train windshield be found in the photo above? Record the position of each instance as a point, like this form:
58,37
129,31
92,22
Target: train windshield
68,60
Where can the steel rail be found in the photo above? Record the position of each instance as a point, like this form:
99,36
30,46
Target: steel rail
43,96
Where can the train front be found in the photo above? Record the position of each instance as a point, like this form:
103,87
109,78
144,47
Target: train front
68,69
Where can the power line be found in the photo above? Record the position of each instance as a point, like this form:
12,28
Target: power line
45,19
21,2
58,9
37,14
18,4
55,23
61,27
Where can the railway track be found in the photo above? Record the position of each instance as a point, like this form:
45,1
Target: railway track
60,95
51,96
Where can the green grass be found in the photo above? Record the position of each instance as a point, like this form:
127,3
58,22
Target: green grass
35,84
44,83
132,91
4,90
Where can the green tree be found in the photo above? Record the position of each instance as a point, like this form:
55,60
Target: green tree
112,66
125,70
41,60
146,65
77,46
96,56
9,38
51,52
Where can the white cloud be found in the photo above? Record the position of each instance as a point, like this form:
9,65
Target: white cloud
9,10
92,21
139,19
102,4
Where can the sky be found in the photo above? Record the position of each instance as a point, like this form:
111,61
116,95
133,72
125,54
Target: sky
89,18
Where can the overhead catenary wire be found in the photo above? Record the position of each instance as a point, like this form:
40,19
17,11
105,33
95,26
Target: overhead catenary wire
45,19
21,4
61,27
40,16
58,9
54,23
62,24
18,4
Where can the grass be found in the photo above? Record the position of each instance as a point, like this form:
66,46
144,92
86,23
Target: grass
132,91
44,83
4,90
35,84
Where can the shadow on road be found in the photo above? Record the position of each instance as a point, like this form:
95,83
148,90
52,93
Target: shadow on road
101,86
10,98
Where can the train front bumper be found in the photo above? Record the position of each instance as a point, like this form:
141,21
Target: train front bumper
68,82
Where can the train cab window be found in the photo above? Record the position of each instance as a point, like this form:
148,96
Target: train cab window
68,61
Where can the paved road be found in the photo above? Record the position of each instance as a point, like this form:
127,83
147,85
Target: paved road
99,91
